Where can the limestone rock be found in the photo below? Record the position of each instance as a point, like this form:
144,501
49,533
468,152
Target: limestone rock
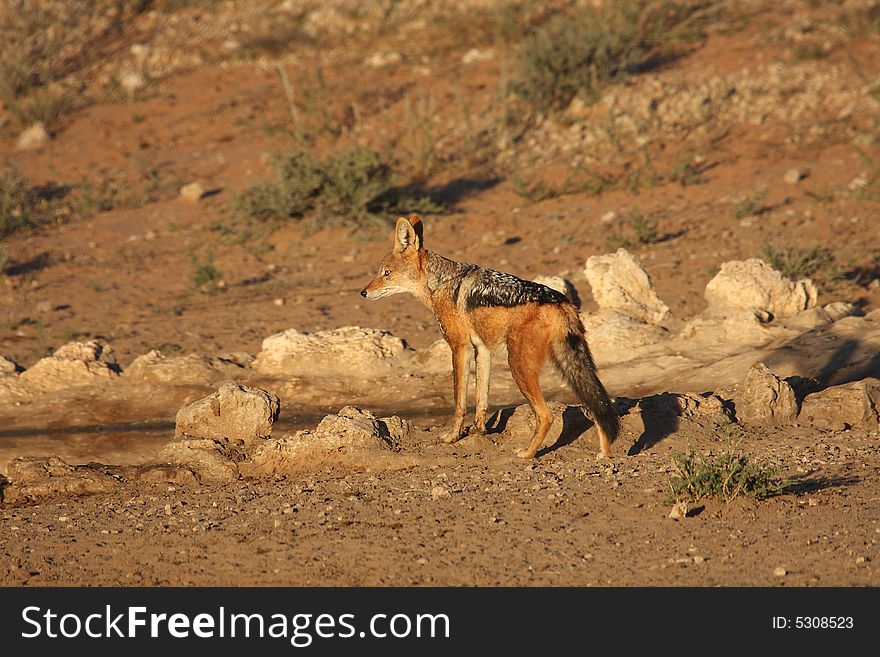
75,364
855,404
170,473
8,367
688,405
209,460
348,351
32,138
816,317
614,337
794,176
383,58
34,478
132,82
156,367
764,398
754,286
435,358
351,431
234,412
718,333
620,284
192,192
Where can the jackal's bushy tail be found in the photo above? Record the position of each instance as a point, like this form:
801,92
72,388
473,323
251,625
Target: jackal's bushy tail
574,361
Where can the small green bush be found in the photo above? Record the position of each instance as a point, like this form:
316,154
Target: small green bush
16,201
352,187
641,231
353,184
751,206
794,262
206,277
725,476
581,52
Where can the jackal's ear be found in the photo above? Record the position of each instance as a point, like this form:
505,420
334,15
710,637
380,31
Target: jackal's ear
408,233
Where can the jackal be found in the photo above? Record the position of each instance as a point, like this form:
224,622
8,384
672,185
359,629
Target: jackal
479,309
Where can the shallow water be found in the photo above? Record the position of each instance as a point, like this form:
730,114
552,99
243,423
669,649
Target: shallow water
132,443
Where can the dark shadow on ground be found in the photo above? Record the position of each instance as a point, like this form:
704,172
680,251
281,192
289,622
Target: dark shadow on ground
660,414
574,425
809,483
452,192
34,264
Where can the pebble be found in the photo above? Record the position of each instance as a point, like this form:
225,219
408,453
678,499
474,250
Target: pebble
679,511
32,138
793,176
192,192
780,572
438,491
477,55
132,82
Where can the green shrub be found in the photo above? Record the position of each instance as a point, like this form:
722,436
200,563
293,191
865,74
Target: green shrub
751,206
794,262
581,52
16,201
352,187
206,277
725,476
354,184
644,230
640,231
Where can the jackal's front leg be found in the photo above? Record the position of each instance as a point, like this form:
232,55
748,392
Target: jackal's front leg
460,373
483,364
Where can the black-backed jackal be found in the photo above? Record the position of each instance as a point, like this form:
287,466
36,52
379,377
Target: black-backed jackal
478,309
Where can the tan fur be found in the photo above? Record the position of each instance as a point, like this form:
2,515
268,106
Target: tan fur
528,330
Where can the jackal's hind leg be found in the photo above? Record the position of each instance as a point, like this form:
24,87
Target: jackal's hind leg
526,360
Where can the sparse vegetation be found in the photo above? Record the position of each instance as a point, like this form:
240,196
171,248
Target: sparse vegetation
353,187
581,182
795,262
687,172
809,51
724,476
42,43
645,231
4,259
109,192
15,201
206,277
860,20
751,206
635,230
578,53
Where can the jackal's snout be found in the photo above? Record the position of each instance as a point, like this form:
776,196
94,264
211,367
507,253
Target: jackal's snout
364,292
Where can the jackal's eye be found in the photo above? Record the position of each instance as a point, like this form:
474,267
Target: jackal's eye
387,272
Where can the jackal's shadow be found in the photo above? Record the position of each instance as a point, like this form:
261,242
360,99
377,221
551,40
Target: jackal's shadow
574,425
660,415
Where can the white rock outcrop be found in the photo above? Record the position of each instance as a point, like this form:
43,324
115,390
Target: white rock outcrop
347,351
